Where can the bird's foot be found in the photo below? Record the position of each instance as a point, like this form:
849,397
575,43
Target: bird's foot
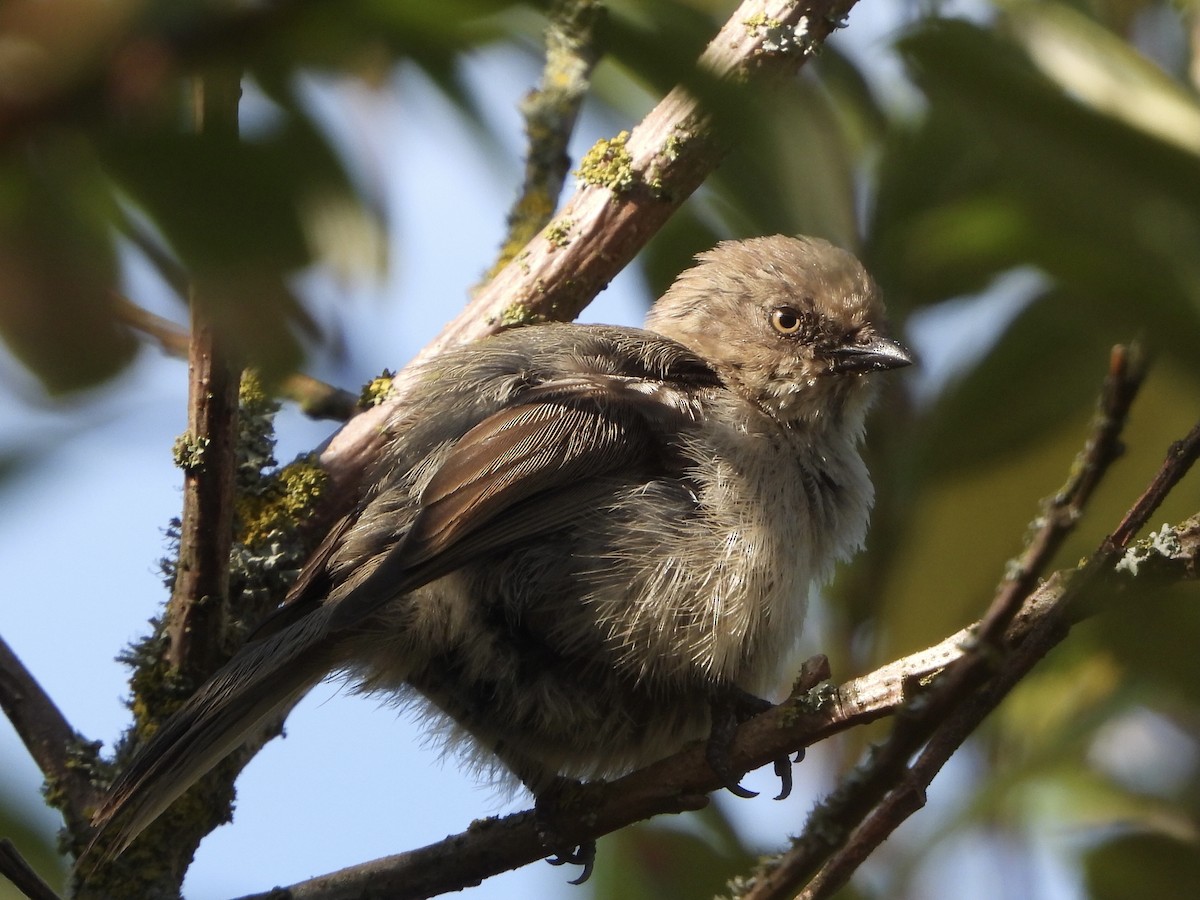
550,810
729,710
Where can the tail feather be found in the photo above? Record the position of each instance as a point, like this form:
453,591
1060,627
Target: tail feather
262,679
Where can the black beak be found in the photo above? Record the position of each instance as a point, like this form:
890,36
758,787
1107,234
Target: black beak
876,356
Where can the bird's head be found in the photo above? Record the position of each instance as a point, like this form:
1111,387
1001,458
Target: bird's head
793,324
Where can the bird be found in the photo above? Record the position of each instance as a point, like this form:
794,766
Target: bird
580,546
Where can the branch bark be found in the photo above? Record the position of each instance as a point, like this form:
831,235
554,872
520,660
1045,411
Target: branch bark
199,600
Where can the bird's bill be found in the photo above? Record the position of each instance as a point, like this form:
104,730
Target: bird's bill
876,356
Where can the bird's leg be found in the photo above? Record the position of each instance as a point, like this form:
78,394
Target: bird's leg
555,800
551,806
731,707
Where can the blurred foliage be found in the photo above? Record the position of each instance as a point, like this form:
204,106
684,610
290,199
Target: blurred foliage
1038,137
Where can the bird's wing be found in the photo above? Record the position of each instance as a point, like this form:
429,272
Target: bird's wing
528,469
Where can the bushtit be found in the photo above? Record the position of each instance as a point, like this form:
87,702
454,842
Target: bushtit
580,540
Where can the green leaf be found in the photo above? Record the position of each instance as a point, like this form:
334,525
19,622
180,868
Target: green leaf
1007,168
57,267
1143,865
663,861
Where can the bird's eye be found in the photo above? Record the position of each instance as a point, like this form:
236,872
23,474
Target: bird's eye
785,320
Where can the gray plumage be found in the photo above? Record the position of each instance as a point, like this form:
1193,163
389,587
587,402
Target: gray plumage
578,537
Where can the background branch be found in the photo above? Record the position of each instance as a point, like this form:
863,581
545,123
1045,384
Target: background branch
14,867
550,112
59,751
195,617
316,399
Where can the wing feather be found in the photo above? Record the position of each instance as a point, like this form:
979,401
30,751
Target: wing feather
525,470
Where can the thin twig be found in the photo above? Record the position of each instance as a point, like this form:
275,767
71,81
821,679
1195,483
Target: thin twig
316,399
16,869
54,745
908,795
1060,512
889,810
1180,458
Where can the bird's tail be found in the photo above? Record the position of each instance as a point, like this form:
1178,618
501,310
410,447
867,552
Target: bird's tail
264,678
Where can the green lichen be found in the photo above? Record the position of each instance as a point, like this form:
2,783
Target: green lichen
378,389
760,21
519,313
673,145
188,451
608,164
1162,544
558,233
283,497
255,449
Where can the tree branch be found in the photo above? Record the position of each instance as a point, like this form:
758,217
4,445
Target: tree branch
550,112
676,784
315,398
58,749
195,615
14,867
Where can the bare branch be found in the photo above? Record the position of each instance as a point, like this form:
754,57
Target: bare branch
835,840
1181,456
316,399
1062,511
57,748
14,867
196,611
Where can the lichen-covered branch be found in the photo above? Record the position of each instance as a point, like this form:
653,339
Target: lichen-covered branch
550,112
206,453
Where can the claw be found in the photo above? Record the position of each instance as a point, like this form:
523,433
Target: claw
783,769
582,855
724,725
547,809
730,709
